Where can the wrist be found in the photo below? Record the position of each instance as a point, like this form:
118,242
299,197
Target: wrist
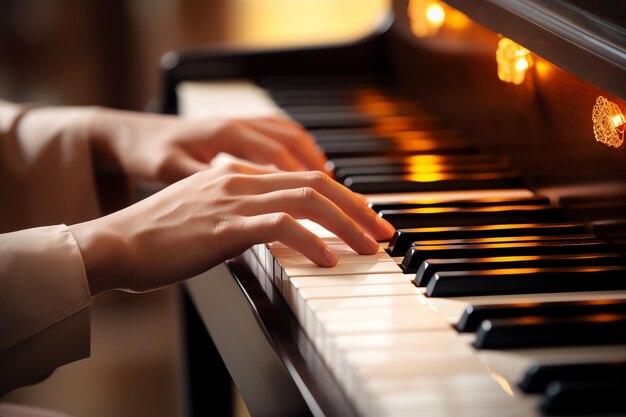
105,133
103,253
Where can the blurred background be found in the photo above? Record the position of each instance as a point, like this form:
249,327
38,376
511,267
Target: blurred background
107,52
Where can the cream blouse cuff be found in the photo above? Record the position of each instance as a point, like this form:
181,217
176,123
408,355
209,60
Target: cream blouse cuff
44,300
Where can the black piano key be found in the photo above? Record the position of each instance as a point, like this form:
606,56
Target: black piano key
473,316
365,161
344,173
538,377
332,120
523,332
373,184
344,135
355,135
375,108
478,202
575,398
403,238
472,216
416,147
418,254
503,239
431,266
526,281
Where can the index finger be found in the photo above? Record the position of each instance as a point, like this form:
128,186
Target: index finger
350,203
294,137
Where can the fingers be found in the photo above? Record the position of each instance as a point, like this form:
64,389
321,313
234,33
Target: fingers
179,165
294,138
254,146
245,168
308,203
280,227
354,206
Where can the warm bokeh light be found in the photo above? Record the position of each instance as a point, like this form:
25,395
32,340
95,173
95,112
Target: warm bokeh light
455,19
425,177
543,68
435,14
618,120
426,16
513,61
289,22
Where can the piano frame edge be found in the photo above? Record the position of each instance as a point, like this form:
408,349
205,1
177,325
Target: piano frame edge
551,31
273,363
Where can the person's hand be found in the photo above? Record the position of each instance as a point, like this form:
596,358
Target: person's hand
169,148
209,217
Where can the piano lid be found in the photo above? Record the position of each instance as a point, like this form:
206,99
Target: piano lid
587,39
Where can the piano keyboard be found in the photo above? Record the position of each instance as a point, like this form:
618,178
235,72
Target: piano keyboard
487,301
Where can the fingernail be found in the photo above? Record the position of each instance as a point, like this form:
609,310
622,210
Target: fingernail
330,257
373,245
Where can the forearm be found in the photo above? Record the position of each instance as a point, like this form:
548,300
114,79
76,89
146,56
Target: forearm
46,170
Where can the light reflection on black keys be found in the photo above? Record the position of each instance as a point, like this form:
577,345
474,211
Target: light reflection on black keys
431,266
538,377
526,281
365,161
372,184
335,164
478,202
403,238
473,316
472,216
343,173
503,239
578,398
418,254
378,147
521,332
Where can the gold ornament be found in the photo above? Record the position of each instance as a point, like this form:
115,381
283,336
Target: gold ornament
608,123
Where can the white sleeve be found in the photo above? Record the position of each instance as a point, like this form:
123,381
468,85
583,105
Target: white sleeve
44,304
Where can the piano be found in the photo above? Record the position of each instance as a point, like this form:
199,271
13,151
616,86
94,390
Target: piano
503,291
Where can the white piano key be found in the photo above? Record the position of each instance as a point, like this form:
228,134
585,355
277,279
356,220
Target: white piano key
343,258
373,320
298,298
461,393
378,320
330,241
342,280
338,248
315,307
225,99
296,283
342,269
